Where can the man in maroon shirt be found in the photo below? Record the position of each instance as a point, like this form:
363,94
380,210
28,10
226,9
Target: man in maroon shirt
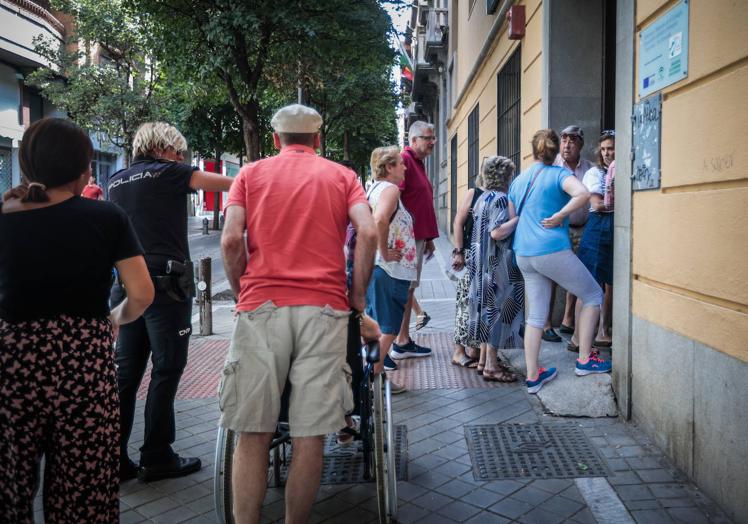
417,196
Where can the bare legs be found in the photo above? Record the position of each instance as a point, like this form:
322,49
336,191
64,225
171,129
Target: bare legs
606,315
602,330
303,478
417,309
532,350
404,336
549,320
569,310
249,480
250,477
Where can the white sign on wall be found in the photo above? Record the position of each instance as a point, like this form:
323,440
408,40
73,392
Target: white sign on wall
663,50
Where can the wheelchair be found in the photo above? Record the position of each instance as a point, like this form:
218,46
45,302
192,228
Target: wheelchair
372,396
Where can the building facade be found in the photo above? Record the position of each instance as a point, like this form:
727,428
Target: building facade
681,280
21,22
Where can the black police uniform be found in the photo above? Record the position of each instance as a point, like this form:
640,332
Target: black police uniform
152,193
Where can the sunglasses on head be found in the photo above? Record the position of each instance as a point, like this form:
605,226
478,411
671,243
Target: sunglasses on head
608,133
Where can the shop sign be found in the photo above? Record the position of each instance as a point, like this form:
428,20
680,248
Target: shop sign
646,124
663,50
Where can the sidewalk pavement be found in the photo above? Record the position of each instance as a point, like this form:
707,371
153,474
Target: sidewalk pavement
641,484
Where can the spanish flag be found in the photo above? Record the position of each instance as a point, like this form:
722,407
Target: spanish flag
406,65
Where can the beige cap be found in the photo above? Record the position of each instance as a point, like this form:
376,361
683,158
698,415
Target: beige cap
296,118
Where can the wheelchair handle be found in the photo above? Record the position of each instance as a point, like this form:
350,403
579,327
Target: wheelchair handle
372,352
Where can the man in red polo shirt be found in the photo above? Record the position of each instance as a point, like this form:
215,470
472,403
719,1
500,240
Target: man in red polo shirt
292,309
417,196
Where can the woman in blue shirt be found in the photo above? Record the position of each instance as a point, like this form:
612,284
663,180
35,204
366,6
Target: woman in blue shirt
543,197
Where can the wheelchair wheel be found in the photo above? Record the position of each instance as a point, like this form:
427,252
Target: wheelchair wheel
222,494
389,434
384,451
380,465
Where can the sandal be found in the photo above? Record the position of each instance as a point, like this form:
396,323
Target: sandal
500,374
465,362
422,320
602,343
349,434
479,368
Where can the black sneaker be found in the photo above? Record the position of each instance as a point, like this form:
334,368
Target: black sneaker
176,467
551,336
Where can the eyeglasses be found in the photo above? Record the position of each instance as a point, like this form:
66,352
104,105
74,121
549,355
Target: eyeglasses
430,138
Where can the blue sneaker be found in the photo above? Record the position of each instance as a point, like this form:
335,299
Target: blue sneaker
389,364
594,365
409,350
544,375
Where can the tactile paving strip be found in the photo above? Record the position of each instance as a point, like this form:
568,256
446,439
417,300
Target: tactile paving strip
203,372
345,465
538,451
437,371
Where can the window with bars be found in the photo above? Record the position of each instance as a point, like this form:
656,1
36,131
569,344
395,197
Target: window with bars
473,145
453,181
508,109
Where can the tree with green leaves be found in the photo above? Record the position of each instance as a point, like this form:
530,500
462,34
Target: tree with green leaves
265,47
209,123
106,77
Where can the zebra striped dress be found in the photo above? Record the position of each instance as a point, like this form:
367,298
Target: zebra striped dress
496,300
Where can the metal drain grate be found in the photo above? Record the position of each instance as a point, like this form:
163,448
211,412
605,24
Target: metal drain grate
345,465
501,451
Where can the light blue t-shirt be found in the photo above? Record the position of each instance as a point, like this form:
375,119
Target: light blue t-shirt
545,198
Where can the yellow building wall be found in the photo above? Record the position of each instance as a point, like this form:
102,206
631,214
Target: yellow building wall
690,237
473,29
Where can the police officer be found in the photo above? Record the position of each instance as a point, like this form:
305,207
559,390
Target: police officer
152,192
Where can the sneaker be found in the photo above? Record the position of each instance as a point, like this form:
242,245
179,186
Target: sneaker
550,336
396,389
389,364
544,375
409,350
594,365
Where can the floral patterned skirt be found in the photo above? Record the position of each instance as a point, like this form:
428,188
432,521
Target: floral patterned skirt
58,398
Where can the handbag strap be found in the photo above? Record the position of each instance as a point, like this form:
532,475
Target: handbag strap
529,187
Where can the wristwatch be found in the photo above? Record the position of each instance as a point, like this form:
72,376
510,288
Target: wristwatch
458,251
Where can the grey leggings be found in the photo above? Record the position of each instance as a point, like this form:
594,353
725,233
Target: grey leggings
564,268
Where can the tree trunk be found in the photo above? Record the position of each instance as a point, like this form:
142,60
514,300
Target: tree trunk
346,154
217,194
250,128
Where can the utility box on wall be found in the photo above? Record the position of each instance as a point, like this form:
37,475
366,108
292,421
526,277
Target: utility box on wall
516,17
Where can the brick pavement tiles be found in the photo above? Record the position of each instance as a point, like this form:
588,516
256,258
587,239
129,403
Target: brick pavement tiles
440,485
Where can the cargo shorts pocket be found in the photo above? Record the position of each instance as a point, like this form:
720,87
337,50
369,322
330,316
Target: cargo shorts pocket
227,390
334,319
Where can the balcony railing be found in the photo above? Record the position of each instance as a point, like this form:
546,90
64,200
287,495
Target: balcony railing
40,8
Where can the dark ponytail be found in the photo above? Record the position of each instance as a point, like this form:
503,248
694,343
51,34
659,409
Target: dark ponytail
53,152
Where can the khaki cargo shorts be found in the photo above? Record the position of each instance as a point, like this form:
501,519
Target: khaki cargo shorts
307,344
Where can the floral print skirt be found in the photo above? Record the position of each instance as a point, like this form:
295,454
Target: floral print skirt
58,399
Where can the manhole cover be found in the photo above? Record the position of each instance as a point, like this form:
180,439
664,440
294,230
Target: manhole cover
501,451
345,465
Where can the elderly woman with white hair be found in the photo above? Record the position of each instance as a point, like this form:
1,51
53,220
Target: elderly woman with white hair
496,296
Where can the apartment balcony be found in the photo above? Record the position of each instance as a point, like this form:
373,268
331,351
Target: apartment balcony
21,21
